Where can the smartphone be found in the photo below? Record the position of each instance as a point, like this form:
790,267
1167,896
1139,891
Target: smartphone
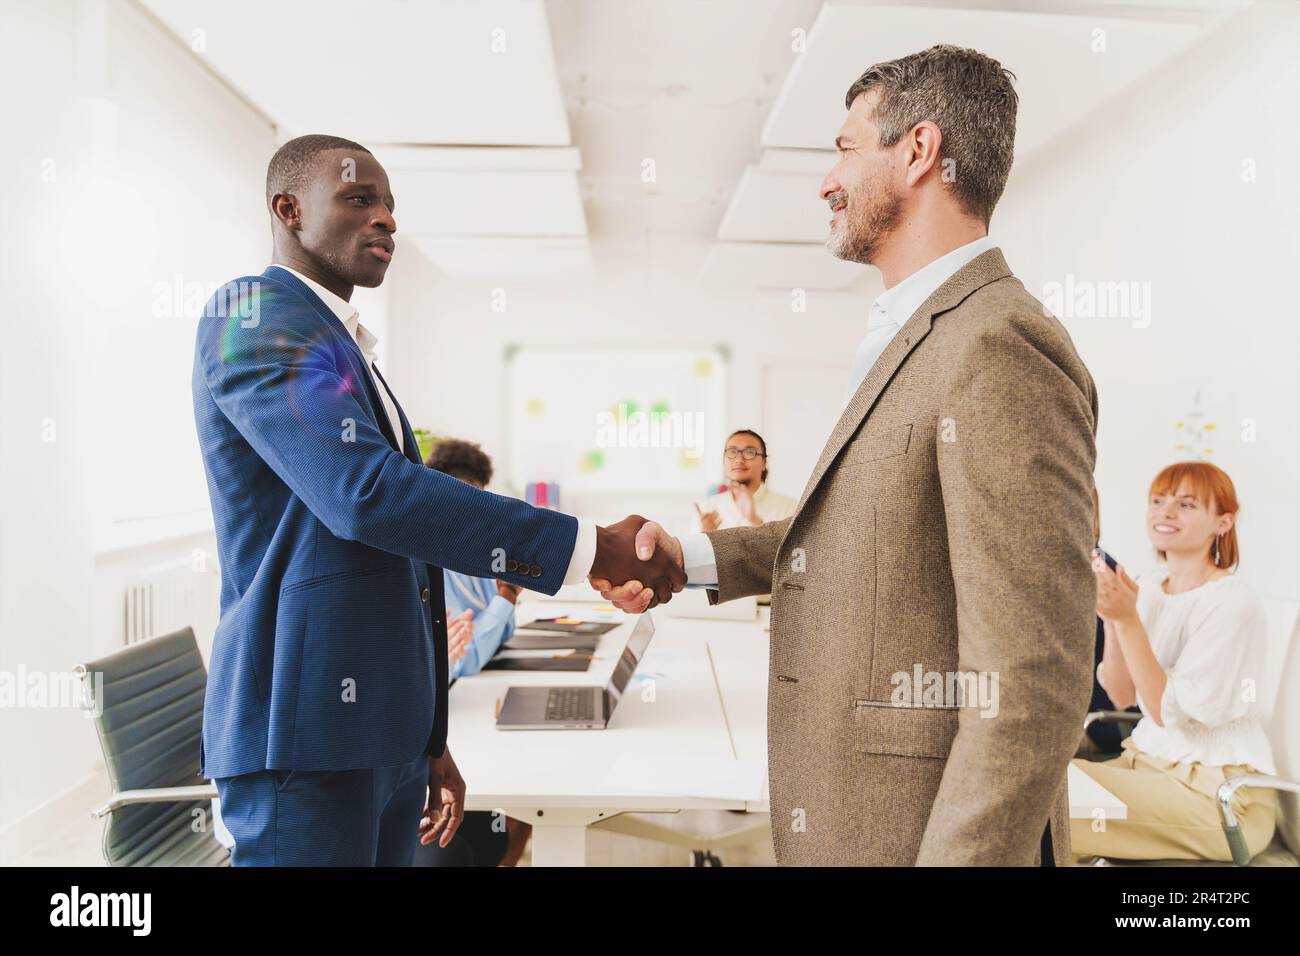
1110,562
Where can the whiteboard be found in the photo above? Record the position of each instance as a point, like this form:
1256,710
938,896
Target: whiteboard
615,420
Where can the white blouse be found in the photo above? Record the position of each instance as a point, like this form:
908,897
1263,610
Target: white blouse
1211,642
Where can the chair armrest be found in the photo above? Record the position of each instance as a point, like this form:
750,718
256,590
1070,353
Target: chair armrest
158,795
1231,829
1110,717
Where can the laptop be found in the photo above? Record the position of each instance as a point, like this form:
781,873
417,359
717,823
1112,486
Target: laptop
576,707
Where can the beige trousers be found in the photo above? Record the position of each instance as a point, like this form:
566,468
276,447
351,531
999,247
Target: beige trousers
1173,811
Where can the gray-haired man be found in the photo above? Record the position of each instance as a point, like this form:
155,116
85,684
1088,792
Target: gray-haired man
940,551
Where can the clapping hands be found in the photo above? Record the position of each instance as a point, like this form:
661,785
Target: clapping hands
460,634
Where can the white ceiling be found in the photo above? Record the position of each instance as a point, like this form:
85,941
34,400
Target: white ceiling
1058,76
693,121
1049,46
459,100
386,71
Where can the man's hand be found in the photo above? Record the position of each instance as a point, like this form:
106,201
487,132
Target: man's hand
624,557
445,806
508,591
709,520
652,541
460,632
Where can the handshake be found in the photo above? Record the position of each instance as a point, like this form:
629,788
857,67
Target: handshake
638,564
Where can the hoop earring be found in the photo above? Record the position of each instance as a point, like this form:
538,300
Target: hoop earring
1216,550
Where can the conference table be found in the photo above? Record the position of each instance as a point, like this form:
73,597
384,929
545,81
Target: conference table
689,734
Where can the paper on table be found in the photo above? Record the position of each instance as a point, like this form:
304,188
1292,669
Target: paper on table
512,654
714,778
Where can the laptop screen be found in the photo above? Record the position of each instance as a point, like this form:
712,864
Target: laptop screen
631,656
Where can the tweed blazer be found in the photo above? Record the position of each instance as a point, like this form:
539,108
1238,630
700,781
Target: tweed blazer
933,603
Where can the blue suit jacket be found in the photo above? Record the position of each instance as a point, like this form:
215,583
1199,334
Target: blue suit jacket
331,652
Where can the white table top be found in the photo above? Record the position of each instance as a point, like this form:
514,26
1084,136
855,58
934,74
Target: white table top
667,745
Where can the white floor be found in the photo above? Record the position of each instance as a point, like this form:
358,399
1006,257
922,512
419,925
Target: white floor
78,842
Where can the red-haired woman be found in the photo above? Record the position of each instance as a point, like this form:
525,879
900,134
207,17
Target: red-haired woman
1186,643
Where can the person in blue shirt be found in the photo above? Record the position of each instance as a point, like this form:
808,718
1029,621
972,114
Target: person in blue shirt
487,605
480,618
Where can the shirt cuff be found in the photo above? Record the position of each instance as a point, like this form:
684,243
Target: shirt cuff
584,553
700,563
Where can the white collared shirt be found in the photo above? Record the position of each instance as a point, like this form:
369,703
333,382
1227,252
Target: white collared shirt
895,306
889,313
584,547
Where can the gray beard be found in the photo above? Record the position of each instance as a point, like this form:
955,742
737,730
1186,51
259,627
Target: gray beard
857,241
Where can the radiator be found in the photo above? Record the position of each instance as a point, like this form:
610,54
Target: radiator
167,597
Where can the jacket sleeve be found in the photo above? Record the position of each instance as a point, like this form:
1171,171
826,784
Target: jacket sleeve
744,558
281,385
1016,482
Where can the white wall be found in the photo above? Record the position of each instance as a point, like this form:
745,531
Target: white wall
121,172
1151,189
448,359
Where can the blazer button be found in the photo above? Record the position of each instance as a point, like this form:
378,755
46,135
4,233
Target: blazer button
512,565
536,571
424,595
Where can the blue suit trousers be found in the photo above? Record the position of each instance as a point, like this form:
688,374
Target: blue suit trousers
366,817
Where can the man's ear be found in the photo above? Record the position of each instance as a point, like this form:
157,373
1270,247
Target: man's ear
922,152
285,209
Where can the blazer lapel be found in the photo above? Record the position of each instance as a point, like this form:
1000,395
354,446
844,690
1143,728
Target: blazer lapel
985,268
353,352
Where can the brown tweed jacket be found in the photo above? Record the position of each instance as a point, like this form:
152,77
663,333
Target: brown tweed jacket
942,544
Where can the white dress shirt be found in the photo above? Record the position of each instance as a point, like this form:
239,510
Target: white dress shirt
1211,642
889,313
584,547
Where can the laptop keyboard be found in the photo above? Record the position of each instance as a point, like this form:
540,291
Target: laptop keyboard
570,703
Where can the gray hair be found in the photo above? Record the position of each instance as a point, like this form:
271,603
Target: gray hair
969,96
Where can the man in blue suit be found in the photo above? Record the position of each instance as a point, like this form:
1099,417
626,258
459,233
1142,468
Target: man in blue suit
325,720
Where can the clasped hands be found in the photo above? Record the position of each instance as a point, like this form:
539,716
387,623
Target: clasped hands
638,565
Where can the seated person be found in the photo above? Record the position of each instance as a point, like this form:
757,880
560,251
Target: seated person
747,498
488,603
480,618
1186,642
1101,739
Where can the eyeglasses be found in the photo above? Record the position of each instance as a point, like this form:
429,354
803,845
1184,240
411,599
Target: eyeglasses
749,454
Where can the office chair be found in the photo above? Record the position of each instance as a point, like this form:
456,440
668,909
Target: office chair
149,720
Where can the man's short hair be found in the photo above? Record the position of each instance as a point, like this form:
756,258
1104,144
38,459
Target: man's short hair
461,459
291,166
969,96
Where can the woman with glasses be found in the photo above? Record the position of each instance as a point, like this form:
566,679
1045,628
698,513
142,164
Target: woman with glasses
744,498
